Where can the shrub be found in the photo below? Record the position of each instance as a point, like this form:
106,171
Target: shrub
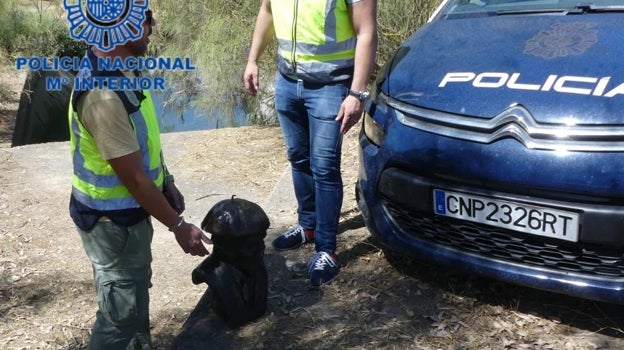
35,33
15,29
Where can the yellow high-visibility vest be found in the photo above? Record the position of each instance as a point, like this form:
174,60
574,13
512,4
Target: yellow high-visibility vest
94,182
316,39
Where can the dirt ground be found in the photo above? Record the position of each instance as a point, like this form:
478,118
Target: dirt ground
378,301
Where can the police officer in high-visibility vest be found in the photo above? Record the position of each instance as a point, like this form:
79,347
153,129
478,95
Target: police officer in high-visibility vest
326,51
119,182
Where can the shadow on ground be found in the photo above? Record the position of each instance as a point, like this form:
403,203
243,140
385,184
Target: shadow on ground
385,300
593,316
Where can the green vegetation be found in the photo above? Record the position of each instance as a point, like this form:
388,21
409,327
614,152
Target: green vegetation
35,29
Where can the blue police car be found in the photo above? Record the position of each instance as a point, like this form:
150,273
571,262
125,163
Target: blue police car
494,142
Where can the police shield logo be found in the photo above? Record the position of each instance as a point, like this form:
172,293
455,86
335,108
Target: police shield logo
105,23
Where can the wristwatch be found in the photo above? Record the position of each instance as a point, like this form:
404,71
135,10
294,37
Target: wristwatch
177,225
360,95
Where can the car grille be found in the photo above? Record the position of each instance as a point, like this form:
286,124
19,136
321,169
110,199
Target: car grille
505,245
515,122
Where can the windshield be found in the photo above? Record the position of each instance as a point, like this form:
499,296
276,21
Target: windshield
469,8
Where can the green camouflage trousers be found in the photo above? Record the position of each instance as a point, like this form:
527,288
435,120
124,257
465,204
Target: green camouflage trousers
121,258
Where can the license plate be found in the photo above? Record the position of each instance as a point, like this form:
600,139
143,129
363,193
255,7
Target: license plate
521,217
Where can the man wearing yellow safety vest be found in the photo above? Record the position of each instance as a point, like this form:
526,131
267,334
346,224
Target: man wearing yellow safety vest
119,181
326,51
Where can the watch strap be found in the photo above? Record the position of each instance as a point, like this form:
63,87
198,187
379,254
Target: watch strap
360,95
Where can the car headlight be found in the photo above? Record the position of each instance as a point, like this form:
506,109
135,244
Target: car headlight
373,131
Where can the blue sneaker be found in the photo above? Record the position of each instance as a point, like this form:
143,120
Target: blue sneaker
293,238
322,268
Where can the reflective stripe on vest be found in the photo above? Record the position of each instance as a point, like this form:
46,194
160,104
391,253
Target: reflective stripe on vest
95,183
315,38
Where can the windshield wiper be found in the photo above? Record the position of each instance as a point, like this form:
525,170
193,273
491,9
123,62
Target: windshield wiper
576,10
600,8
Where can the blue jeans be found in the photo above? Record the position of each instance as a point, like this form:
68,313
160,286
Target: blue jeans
307,113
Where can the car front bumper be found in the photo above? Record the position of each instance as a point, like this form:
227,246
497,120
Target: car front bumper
397,206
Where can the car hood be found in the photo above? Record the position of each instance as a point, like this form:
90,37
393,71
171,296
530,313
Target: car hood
554,66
